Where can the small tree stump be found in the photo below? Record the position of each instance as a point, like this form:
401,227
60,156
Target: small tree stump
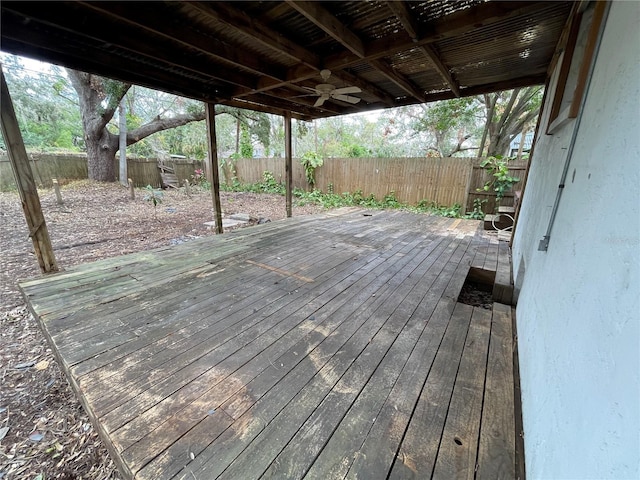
132,193
56,187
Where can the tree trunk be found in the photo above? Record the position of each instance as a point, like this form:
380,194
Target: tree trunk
490,104
101,152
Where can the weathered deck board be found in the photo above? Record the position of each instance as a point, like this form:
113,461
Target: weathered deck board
497,429
317,347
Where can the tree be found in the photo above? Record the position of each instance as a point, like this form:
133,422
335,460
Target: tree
48,120
449,125
99,98
508,113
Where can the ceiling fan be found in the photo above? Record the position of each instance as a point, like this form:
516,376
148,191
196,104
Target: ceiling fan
325,91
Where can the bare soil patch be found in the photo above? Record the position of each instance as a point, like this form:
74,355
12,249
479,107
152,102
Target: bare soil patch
44,433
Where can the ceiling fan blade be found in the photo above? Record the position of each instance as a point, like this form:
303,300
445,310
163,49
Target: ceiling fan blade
340,91
346,98
320,101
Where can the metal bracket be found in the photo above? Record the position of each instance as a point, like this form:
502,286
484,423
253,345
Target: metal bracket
543,246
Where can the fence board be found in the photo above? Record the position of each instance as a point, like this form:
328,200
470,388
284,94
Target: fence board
444,181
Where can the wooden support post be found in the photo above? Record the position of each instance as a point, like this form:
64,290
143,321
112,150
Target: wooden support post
213,164
288,170
132,192
25,182
465,202
122,143
56,188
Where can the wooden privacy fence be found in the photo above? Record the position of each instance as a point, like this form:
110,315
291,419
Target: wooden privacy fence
69,167
144,171
444,181
45,167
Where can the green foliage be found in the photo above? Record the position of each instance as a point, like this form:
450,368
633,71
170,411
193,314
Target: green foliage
425,206
154,197
478,212
357,199
357,151
448,124
502,181
269,184
310,161
228,166
45,106
447,114
347,199
246,147
199,179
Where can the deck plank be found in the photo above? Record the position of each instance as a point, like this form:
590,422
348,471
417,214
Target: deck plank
321,363
320,425
275,310
417,453
328,346
458,446
496,452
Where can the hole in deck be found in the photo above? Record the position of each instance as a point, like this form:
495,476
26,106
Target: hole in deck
457,440
477,290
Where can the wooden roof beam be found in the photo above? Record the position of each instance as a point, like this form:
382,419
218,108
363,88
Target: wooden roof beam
311,64
323,19
96,65
257,107
445,27
402,12
327,22
526,81
442,69
101,32
140,19
239,20
399,79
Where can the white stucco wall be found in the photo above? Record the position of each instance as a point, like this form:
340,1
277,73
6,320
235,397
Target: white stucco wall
578,312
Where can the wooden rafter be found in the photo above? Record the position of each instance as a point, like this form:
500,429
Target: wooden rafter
310,63
262,57
141,21
442,69
398,79
449,26
239,20
142,49
241,83
324,20
454,24
402,12
327,22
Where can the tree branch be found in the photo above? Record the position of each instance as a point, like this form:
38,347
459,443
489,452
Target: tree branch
160,124
458,147
507,110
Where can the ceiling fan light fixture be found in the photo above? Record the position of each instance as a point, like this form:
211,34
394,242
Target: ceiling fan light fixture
327,91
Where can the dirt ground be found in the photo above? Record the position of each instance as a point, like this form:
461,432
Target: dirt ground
44,433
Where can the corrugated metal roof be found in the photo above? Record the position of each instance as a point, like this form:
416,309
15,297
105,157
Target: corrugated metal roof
262,53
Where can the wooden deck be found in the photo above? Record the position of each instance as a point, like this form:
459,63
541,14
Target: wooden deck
318,347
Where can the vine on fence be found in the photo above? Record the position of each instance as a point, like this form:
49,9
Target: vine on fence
310,161
501,182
